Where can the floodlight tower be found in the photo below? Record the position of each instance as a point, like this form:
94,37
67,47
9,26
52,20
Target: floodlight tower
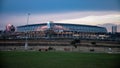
26,39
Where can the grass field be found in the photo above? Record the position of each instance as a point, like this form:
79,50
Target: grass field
58,60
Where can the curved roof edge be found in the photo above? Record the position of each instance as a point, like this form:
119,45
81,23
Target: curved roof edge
62,23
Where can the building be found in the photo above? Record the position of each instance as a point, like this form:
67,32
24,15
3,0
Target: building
61,27
62,30
114,29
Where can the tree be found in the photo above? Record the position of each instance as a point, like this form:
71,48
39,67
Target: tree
93,44
75,42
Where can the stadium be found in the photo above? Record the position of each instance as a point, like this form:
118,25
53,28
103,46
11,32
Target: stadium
61,27
58,37
62,30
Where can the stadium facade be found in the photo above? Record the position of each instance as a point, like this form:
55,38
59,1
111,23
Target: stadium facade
61,27
61,30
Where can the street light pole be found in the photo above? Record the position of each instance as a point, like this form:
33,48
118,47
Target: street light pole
26,40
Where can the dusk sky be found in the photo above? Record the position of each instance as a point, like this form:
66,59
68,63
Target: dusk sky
90,12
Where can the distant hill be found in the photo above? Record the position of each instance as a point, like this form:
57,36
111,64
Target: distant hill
108,26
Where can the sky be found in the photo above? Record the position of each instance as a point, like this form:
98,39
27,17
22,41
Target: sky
90,12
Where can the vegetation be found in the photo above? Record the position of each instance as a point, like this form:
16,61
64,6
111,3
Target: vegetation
75,42
93,43
58,60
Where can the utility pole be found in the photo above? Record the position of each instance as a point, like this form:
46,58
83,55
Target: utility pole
26,39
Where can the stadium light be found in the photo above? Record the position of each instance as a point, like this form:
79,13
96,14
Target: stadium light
26,41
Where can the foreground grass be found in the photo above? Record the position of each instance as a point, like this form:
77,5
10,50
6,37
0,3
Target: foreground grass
58,60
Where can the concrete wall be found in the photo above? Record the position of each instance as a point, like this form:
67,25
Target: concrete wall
62,48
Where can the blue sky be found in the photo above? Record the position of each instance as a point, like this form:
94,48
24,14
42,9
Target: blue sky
90,12
22,6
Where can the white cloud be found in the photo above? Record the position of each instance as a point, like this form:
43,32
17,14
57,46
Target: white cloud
76,17
94,20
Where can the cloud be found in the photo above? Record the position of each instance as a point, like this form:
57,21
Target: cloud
94,20
75,17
